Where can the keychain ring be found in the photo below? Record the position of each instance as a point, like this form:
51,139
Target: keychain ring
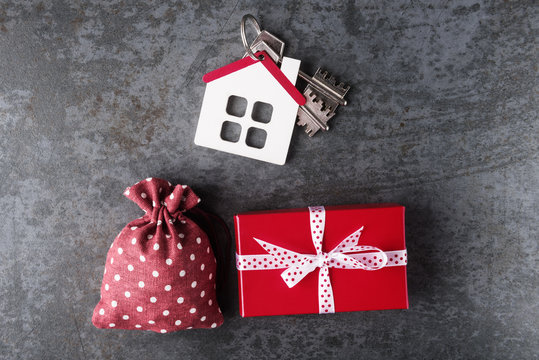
252,19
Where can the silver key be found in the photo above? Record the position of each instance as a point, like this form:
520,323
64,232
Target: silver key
323,96
266,41
314,115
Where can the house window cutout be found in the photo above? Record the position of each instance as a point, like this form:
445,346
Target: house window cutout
236,106
256,138
262,112
230,131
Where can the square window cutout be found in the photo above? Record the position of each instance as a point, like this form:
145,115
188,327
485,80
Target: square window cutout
256,138
230,131
262,112
236,106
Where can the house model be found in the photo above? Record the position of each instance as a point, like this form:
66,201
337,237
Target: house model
250,108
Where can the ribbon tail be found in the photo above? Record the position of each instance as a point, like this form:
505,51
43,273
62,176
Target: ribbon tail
295,274
349,243
279,252
326,305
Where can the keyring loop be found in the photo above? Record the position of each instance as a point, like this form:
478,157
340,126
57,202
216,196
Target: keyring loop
252,19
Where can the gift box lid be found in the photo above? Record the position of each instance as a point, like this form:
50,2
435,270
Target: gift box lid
264,292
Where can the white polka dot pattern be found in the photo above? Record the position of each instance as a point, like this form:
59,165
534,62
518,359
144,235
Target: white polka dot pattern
347,255
157,268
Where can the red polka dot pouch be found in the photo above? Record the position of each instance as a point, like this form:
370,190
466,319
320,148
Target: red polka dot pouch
160,271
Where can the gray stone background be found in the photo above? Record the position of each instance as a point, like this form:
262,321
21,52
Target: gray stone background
442,118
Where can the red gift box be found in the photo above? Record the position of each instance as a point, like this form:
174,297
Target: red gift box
292,262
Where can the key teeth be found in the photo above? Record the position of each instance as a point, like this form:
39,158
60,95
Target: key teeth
342,86
327,112
318,104
311,128
310,96
331,80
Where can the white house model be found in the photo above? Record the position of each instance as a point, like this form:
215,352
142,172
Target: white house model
231,119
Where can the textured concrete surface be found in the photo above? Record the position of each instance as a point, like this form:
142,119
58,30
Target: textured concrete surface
442,118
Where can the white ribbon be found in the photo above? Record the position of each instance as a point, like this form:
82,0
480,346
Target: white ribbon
343,256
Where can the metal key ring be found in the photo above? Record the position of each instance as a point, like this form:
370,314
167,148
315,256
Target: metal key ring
244,19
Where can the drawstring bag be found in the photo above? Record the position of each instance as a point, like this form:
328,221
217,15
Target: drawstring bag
160,271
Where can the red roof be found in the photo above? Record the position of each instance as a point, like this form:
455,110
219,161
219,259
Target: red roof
268,64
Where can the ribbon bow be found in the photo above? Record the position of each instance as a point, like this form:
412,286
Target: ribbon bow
343,256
